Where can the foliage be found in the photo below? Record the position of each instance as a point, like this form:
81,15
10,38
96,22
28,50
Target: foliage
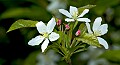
89,39
67,45
12,10
21,24
111,55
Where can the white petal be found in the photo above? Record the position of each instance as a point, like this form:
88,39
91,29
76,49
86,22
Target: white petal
65,12
69,20
36,41
51,24
88,27
41,27
53,36
103,28
103,42
84,12
97,23
84,19
73,10
44,45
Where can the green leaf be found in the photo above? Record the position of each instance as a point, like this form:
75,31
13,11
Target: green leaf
111,55
88,6
89,39
80,9
81,2
21,24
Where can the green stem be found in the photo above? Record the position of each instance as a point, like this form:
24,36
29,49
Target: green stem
73,42
69,63
75,24
60,27
68,58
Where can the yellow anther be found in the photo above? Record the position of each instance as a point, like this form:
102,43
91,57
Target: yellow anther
45,35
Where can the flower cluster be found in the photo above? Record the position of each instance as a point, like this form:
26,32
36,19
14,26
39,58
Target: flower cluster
46,33
97,27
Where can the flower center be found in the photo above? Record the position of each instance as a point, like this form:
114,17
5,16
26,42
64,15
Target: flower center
97,33
75,14
45,35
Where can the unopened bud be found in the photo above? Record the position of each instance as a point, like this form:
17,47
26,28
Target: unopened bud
59,22
78,33
67,27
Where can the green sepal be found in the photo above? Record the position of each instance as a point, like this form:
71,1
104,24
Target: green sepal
21,24
111,55
89,39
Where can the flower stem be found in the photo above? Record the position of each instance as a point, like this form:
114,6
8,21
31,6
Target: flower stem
69,62
75,24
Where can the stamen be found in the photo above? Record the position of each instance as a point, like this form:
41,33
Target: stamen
75,14
97,33
45,35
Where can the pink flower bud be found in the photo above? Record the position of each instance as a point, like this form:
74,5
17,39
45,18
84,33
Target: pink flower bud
77,33
59,22
67,27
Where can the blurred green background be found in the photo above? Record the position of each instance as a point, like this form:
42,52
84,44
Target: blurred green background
14,49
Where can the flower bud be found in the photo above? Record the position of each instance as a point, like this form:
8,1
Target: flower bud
67,27
59,22
78,33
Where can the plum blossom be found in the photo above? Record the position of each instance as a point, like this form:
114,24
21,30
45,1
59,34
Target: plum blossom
46,34
98,30
74,14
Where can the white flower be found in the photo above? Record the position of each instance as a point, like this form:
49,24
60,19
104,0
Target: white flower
99,30
74,14
46,33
